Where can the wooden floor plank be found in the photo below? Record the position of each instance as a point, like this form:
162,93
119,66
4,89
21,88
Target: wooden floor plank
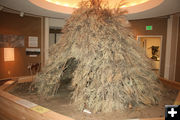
12,110
170,84
7,84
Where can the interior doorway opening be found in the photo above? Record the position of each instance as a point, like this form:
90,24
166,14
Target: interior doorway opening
152,45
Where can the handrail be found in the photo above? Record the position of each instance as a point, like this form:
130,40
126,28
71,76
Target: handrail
170,83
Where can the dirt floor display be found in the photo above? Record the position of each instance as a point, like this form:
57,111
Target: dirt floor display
61,103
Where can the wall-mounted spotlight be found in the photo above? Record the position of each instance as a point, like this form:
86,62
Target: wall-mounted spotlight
21,14
1,8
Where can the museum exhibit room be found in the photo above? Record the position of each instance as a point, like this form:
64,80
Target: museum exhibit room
89,59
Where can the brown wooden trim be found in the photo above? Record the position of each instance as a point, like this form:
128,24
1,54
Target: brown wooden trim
42,42
171,84
177,101
154,118
7,85
25,79
12,110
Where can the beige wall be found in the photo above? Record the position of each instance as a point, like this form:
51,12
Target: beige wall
171,47
56,22
159,28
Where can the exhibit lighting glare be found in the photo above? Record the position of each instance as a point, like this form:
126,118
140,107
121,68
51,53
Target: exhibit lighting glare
21,14
8,54
74,3
69,6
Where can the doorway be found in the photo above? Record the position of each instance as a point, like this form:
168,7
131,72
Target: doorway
152,45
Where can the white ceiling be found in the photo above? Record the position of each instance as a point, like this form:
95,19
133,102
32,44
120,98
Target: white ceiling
166,8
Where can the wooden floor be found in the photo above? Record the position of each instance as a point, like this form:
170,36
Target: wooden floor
15,108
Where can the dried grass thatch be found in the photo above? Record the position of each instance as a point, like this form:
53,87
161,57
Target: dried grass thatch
98,52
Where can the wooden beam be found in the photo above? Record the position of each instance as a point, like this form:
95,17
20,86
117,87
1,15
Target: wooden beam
7,84
14,108
171,84
5,79
21,79
25,79
177,101
154,118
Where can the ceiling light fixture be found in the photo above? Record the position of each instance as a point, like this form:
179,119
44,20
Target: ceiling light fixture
67,6
74,3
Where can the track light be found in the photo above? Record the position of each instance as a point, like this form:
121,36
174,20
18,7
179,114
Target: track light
21,14
1,8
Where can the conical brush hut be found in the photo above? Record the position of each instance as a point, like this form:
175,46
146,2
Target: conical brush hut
105,64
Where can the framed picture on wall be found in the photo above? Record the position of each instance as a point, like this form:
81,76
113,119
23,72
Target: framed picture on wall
13,41
32,41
